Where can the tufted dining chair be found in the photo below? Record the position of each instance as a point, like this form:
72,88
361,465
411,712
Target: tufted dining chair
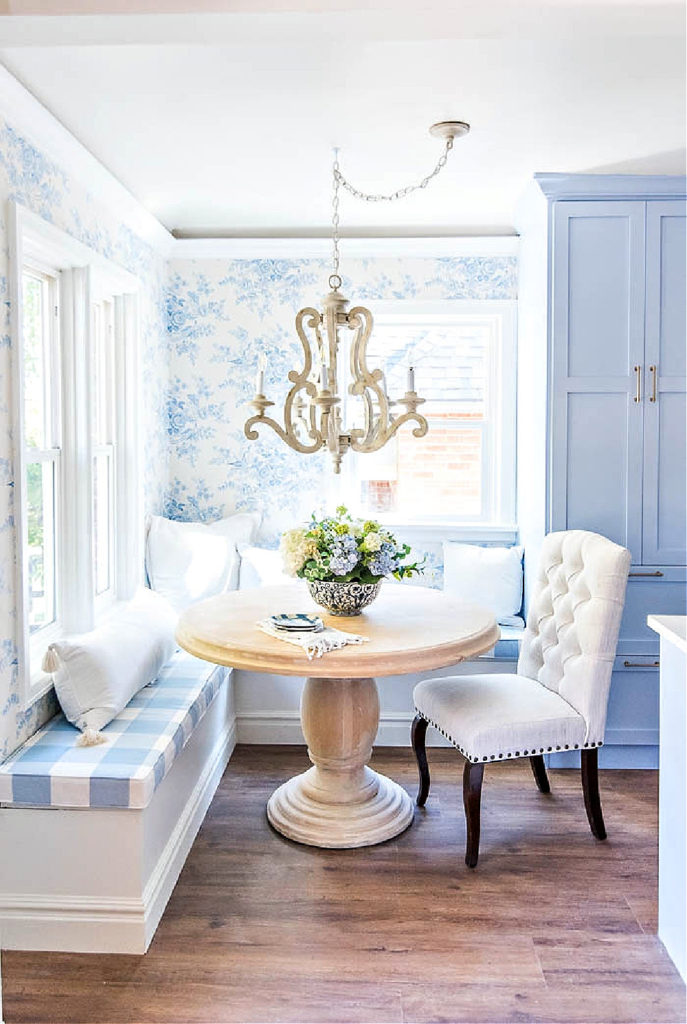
557,698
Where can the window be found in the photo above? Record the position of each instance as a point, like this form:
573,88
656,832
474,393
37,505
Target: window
463,470
75,397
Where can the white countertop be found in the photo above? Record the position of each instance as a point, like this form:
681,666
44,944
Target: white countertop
670,627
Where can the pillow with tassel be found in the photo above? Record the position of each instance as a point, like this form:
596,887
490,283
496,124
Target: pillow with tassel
96,674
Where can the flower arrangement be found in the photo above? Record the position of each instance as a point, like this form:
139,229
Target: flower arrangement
341,549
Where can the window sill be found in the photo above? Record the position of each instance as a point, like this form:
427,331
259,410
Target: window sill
40,684
438,531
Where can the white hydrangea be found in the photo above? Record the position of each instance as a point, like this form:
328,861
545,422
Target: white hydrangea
295,550
372,542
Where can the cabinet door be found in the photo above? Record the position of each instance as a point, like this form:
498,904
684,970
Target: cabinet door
597,341
665,409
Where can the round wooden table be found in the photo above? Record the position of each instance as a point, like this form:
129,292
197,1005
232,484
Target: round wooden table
340,801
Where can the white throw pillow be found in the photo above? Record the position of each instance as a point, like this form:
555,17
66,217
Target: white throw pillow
188,562
96,674
260,567
491,577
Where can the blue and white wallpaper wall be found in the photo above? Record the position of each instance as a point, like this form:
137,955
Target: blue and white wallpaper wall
30,176
221,315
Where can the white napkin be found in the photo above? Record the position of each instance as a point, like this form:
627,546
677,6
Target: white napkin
314,644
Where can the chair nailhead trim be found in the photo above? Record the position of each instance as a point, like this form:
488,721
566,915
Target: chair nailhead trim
500,756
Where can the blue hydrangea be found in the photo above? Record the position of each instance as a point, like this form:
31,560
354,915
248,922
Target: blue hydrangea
384,562
343,554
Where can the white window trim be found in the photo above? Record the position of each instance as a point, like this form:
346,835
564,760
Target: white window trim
85,276
501,527
105,598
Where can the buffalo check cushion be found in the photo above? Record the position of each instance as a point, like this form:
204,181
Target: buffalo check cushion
142,744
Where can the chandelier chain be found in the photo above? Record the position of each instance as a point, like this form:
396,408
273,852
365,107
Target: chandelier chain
335,224
372,197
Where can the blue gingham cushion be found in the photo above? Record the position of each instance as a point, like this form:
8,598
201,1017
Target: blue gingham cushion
142,743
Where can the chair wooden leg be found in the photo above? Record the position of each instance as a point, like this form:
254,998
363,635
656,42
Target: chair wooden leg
417,738
472,797
539,772
590,788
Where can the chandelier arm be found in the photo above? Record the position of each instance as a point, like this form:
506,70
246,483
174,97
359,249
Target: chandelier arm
314,320
372,197
381,439
289,438
365,434
366,382
318,436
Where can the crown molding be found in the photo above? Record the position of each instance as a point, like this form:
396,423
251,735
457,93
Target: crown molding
612,186
352,248
35,122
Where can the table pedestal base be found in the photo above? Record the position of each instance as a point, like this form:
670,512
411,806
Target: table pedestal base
340,802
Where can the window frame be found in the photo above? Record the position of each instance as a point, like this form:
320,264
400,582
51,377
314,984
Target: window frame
499,522
84,278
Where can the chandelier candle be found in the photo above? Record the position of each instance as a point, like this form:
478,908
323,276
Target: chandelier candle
260,380
312,409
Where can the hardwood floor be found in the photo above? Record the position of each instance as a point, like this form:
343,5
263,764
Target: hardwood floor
551,926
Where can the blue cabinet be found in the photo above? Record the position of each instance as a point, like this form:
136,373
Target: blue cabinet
617,410
604,257
665,409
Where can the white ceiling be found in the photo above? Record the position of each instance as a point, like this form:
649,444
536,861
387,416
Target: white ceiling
224,123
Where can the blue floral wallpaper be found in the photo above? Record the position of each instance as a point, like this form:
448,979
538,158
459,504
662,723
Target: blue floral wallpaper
33,179
221,315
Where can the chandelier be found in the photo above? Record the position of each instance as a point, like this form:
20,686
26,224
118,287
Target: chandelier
312,408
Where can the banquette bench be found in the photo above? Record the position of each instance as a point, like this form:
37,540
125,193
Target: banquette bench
92,839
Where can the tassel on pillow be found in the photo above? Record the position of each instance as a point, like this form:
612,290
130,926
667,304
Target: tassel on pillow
90,738
51,661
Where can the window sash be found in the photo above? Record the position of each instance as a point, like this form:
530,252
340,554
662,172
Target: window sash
104,525
51,532
48,279
497,426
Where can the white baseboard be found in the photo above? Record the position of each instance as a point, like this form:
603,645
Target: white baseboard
623,748
285,727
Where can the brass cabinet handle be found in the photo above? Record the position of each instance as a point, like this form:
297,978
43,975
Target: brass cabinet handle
642,664
652,371
638,393
656,573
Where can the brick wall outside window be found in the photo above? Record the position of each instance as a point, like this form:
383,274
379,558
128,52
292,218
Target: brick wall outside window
439,475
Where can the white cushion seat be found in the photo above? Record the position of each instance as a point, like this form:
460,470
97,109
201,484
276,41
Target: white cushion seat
492,717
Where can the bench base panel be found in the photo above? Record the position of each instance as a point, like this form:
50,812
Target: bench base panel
105,875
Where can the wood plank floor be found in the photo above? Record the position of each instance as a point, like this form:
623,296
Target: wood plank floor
552,926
